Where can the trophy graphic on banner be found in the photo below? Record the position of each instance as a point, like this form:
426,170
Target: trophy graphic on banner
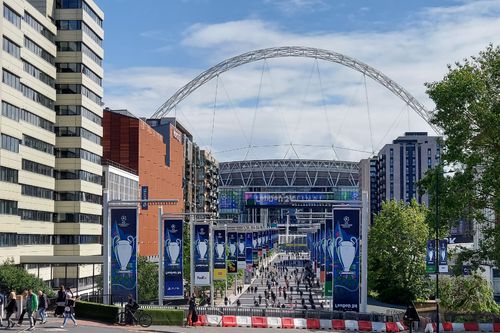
241,246
254,243
219,248
323,246
123,252
346,250
330,248
232,249
173,248
202,247
430,254
442,252
259,241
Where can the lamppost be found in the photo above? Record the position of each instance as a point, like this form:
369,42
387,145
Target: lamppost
436,245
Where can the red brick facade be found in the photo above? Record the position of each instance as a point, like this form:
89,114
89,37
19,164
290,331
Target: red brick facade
133,143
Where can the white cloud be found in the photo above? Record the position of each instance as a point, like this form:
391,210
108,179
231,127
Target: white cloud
294,104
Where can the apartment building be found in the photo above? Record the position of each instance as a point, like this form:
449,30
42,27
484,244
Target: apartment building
50,158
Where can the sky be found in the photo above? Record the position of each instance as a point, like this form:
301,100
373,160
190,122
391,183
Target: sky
288,107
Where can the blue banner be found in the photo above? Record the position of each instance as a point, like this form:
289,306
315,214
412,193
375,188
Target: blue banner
172,259
232,256
144,196
220,270
322,252
249,249
430,258
443,256
346,259
255,248
241,250
201,255
329,258
123,253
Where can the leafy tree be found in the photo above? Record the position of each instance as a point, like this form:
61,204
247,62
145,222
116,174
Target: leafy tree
396,252
147,279
15,278
468,110
467,294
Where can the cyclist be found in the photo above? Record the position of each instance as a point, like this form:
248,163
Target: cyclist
130,308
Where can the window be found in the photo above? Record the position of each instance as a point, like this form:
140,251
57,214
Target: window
78,68
12,16
23,239
91,95
37,144
79,174
78,153
38,50
38,97
11,80
69,25
91,54
10,111
95,37
11,48
32,22
92,13
67,4
8,175
77,239
10,143
78,196
37,73
35,215
69,46
78,131
78,89
73,110
78,218
37,121
38,168
35,191
8,207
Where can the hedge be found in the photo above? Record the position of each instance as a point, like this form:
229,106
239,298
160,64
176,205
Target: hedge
96,311
166,317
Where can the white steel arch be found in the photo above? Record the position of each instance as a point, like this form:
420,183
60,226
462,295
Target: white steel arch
295,51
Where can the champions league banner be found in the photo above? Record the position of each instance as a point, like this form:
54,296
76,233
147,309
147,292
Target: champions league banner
346,259
260,242
220,254
201,255
430,259
249,250
443,256
329,258
123,252
255,251
232,256
172,259
322,251
241,250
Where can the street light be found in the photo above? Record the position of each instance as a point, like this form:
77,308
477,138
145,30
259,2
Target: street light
436,245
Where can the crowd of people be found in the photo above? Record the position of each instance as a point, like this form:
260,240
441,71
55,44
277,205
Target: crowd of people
34,306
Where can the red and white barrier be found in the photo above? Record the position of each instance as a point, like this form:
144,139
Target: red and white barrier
274,322
214,320
463,327
299,323
243,321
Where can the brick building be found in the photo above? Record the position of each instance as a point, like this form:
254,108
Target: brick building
158,160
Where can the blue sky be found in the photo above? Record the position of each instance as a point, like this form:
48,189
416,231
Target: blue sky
154,47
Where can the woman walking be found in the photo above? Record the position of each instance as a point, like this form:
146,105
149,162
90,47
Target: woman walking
69,312
11,308
60,301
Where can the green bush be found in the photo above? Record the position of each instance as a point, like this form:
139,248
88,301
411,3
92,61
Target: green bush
16,278
96,311
166,317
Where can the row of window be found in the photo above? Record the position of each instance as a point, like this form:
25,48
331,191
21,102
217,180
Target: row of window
11,239
74,110
13,112
10,143
79,68
37,144
11,48
79,47
35,215
8,207
77,218
78,153
78,196
79,174
12,16
36,191
77,239
38,168
32,22
39,74
75,4
78,132
78,89
91,54
38,50
14,81
8,175
79,25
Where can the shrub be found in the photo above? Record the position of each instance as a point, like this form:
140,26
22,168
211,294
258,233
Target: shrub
96,311
166,316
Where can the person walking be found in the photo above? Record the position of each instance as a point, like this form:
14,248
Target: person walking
192,309
24,296
60,301
11,308
31,308
42,306
69,311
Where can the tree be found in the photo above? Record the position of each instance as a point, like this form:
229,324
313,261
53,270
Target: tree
396,252
15,278
467,294
147,279
468,110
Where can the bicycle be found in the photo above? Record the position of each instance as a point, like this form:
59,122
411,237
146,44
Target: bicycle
139,317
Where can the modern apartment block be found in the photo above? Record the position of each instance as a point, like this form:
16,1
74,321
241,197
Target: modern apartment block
50,158
207,183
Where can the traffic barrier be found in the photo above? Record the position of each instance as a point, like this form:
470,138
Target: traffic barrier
202,321
486,327
313,324
259,322
401,326
448,327
457,327
214,320
287,323
351,325
391,327
364,325
274,322
338,324
471,327
299,323
325,324
379,327
243,321
228,321
496,327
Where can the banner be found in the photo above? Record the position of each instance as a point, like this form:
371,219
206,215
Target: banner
346,259
329,258
443,256
172,259
220,254
322,252
123,253
201,255
260,243
255,251
430,259
249,251
232,254
241,250
144,196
